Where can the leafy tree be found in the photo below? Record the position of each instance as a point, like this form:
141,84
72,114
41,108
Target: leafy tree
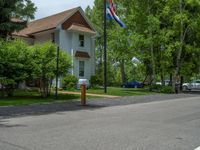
20,62
15,64
45,56
163,35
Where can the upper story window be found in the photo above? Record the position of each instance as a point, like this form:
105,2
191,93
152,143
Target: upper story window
81,40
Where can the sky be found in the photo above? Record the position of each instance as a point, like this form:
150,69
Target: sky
50,7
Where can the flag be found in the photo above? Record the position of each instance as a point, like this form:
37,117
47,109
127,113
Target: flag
111,14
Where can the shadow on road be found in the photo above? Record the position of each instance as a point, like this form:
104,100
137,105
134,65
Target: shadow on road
16,111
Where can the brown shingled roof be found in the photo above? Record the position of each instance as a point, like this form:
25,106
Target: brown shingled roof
46,23
81,54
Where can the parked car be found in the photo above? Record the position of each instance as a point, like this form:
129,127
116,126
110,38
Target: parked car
133,84
166,83
83,81
194,85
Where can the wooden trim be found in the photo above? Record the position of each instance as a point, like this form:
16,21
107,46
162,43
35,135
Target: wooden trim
76,18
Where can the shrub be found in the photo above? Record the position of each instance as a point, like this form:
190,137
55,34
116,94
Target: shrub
69,82
161,89
166,89
95,81
155,88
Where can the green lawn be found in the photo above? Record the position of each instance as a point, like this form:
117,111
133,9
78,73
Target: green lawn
121,91
33,97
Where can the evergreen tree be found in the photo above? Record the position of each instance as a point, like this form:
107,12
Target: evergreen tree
14,15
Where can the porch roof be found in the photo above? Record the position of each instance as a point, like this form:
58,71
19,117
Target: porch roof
80,28
81,54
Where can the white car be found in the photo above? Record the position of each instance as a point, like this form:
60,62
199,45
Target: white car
166,83
194,85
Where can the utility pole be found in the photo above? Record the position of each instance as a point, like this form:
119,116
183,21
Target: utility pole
105,48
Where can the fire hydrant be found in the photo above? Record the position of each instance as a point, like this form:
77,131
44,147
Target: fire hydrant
83,94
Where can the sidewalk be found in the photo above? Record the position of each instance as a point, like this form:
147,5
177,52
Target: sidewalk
95,95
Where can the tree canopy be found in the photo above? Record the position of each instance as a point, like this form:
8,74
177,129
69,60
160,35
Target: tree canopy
20,62
162,35
14,14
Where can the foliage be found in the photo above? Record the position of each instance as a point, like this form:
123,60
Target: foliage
95,81
15,64
69,82
162,35
20,62
161,89
19,9
45,56
167,89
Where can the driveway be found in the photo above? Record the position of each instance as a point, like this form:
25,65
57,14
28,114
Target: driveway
160,125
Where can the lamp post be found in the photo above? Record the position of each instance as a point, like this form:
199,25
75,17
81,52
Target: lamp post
57,71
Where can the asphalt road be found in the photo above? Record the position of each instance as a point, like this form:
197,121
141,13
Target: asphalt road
160,125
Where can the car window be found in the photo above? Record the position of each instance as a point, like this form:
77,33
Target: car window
197,81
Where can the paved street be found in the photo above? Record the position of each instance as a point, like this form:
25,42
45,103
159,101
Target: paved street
159,125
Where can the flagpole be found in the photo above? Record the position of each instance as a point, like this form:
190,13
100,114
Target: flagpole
105,49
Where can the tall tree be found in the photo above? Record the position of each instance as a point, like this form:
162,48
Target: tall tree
163,35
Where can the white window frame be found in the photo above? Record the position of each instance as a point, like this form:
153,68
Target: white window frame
81,41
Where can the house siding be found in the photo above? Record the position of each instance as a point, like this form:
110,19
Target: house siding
69,41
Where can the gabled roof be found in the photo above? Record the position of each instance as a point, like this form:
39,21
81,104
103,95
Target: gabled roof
47,23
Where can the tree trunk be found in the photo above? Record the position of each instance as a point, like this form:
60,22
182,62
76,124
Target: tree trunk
162,78
178,58
153,63
153,75
123,74
181,83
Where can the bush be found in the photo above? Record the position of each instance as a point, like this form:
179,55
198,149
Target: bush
69,82
166,89
155,88
95,81
161,89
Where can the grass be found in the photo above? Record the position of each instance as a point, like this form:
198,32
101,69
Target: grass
21,98
116,91
33,97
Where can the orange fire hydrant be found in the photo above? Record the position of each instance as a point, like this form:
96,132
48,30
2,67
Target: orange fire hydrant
83,94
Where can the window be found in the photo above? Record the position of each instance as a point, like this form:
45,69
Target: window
53,37
81,40
81,68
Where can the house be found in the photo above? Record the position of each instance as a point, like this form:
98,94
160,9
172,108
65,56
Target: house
70,30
